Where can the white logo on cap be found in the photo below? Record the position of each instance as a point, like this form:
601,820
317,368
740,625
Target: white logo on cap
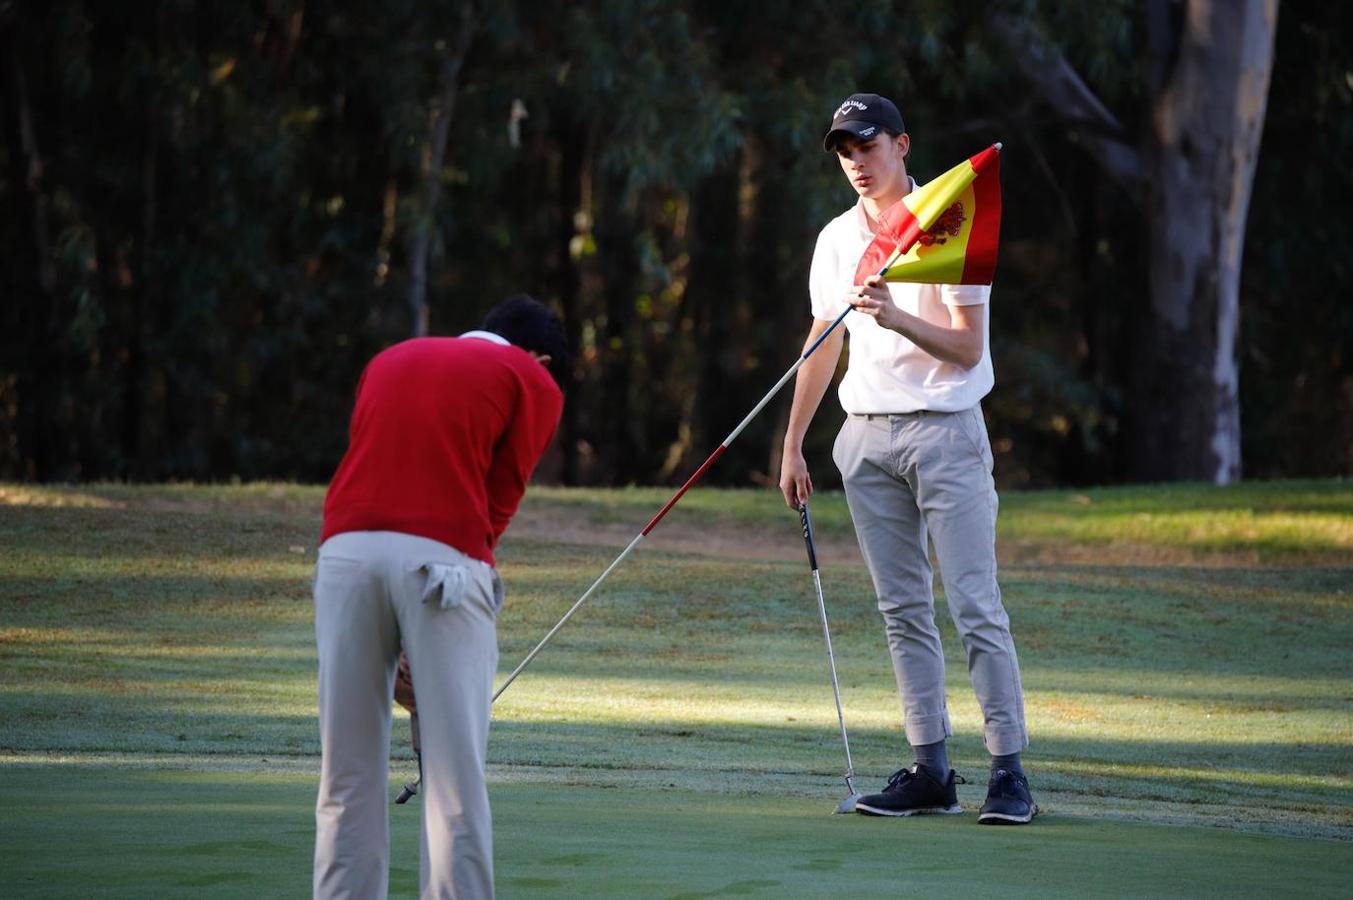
845,107
867,132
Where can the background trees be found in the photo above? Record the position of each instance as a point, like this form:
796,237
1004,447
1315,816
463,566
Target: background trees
213,216
1206,76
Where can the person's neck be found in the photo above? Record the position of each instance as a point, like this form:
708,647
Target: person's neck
875,206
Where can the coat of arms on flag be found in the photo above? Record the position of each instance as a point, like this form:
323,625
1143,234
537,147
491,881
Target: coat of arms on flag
944,232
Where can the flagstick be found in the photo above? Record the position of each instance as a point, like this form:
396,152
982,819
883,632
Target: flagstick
653,523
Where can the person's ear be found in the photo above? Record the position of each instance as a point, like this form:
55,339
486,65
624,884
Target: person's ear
543,358
904,144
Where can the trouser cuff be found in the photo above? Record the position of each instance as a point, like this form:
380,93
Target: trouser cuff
928,729
1006,740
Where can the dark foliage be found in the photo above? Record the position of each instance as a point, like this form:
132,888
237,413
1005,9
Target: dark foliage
207,207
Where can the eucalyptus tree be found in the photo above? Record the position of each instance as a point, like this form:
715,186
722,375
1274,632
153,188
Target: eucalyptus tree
1205,67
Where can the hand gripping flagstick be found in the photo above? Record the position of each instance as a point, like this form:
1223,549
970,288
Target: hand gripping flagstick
903,226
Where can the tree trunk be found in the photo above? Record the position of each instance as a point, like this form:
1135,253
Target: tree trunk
620,455
780,230
573,164
713,299
40,371
1208,81
1206,122
430,169
145,294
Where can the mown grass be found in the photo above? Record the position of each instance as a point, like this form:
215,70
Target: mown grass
1184,649
173,833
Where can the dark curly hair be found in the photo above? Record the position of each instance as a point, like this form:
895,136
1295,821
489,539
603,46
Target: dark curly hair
531,325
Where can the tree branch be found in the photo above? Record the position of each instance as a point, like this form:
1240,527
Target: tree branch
1056,82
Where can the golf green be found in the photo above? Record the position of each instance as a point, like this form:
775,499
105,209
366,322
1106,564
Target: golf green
81,831
1184,652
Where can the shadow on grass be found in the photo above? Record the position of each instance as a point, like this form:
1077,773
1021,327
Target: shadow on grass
629,632
1183,768
1239,685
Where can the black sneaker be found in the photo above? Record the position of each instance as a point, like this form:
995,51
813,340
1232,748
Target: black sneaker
913,792
1008,800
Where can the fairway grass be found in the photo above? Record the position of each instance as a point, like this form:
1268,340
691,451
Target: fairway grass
1185,653
157,833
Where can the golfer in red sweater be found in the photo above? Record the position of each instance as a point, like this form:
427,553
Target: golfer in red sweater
444,436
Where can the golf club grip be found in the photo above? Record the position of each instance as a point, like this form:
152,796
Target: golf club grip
808,535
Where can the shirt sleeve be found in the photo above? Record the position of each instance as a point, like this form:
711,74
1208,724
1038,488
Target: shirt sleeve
528,434
824,280
965,294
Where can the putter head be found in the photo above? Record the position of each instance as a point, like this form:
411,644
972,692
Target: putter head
409,790
848,805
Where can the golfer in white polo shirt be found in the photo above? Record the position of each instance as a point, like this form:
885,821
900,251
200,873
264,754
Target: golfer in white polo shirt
916,465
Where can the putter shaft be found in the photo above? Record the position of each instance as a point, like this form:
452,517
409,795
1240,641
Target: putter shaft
827,638
411,788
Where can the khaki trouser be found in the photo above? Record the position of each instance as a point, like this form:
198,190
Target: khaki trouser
373,591
906,476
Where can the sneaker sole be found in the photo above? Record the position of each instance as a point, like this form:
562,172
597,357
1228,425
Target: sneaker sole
898,813
1006,818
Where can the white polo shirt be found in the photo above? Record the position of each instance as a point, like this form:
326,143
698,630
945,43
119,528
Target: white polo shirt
887,373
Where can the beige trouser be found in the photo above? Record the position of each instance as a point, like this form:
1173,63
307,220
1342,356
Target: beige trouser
906,475
373,591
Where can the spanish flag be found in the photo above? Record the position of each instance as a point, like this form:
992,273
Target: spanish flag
945,232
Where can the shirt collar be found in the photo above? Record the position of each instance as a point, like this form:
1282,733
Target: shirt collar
487,336
863,221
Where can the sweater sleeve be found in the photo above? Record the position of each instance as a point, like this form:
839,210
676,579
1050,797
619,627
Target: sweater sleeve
517,452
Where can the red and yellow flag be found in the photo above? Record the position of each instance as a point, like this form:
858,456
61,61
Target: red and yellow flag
944,232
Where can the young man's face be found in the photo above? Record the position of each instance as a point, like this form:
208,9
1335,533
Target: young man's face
876,167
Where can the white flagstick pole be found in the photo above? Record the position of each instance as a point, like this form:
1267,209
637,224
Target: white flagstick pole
653,523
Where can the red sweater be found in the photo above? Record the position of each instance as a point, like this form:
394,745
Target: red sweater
444,436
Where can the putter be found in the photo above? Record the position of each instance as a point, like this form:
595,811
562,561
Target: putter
848,804
412,787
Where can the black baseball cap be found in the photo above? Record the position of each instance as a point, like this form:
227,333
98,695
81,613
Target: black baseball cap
864,116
